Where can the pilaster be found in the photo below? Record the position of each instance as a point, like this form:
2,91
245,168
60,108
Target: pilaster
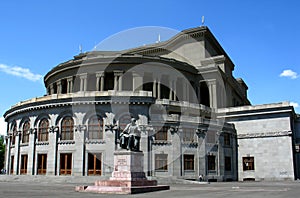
17,153
52,152
79,154
8,156
176,139
31,151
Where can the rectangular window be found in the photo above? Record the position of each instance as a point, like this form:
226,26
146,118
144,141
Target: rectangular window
24,159
94,164
211,137
226,139
42,164
188,135
65,164
227,163
12,164
211,162
25,137
161,162
13,139
189,162
162,133
248,163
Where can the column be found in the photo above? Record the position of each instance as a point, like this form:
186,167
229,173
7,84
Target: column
100,81
83,82
212,93
137,82
98,76
115,82
51,89
158,88
70,85
120,82
154,88
59,88
171,89
174,91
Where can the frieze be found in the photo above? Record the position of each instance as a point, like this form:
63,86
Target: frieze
261,135
41,143
161,142
190,144
95,141
66,142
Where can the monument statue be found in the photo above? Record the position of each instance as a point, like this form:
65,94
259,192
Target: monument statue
130,136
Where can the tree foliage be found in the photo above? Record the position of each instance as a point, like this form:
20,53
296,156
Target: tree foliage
2,152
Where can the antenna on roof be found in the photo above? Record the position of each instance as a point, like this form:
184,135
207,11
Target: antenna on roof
158,40
80,48
203,20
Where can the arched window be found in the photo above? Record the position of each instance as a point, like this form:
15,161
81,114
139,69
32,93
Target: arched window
14,133
95,128
67,128
43,130
25,132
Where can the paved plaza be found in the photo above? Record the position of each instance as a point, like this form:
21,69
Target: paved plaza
16,187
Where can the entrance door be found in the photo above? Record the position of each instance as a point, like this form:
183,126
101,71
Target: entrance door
24,159
65,163
12,164
42,164
94,164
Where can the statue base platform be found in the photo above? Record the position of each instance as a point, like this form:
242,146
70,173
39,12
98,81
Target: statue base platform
128,177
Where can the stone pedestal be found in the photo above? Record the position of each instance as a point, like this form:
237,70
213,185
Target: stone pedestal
128,176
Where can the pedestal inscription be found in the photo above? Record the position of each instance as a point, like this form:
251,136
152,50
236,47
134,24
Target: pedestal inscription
128,176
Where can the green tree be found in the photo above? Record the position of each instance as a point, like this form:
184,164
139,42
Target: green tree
2,152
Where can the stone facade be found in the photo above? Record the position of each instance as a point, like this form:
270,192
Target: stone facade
266,134
180,92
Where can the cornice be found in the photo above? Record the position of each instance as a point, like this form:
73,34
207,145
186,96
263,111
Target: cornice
54,103
264,135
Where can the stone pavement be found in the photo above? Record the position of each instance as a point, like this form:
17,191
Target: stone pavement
16,187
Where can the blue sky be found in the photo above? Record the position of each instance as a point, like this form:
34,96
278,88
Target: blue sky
261,37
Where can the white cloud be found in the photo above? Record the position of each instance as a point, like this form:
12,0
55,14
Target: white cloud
294,104
289,73
3,126
21,72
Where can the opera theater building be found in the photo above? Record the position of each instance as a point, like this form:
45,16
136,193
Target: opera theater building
194,115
